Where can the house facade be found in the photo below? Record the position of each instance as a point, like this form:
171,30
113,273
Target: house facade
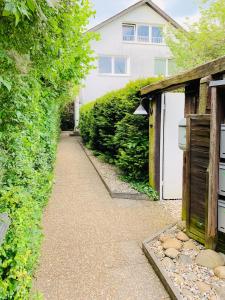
131,46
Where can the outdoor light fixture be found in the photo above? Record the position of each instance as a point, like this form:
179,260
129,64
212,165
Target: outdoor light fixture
182,134
141,110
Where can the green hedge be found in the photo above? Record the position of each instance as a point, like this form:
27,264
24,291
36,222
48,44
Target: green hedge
109,127
44,56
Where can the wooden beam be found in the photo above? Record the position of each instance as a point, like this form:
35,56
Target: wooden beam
211,230
204,94
214,67
154,142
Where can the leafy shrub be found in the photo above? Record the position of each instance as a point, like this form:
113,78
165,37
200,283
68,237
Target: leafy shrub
44,55
109,127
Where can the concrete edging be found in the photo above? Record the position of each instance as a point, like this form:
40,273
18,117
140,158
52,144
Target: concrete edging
112,193
158,267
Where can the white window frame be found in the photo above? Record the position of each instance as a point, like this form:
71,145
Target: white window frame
167,59
113,66
136,25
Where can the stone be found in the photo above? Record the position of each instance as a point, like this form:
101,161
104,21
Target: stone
181,225
168,263
185,259
178,279
209,258
203,287
182,236
220,272
220,292
223,256
172,243
188,294
163,238
190,245
171,252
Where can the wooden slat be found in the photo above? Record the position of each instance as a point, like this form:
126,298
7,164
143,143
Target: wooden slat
211,232
214,67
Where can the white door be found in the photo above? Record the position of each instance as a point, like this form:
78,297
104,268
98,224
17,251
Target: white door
171,155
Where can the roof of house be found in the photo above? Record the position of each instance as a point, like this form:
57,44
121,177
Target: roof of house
136,5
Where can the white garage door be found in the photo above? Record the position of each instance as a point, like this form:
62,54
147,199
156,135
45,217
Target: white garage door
171,155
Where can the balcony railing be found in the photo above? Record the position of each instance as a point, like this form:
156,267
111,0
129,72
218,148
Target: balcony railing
143,39
157,40
128,38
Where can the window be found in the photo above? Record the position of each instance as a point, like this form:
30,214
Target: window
129,32
114,65
160,66
157,35
143,33
105,64
164,66
120,65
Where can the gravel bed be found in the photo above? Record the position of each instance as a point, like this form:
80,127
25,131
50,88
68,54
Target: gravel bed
197,273
110,176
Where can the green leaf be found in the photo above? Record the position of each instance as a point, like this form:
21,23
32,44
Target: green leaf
32,5
6,83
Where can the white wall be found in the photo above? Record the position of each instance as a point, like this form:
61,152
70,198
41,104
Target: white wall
141,55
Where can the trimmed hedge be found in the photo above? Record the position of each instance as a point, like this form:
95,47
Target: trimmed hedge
109,127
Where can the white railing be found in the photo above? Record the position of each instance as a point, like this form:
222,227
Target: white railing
157,40
143,39
128,38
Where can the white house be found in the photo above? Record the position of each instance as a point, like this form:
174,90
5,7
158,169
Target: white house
131,46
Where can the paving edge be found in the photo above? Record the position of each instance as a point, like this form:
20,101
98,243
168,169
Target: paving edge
115,194
158,267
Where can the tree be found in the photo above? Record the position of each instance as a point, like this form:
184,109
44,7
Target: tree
204,40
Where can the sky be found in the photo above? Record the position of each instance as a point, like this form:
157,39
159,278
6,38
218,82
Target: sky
177,9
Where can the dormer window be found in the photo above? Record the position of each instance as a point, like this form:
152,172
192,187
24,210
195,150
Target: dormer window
129,32
142,33
157,37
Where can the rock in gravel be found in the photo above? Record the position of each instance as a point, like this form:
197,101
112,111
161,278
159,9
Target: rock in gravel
220,272
203,287
209,258
182,236
168,263
163,238
220,292
190,245
171,252
172,243
223,256
181,225
178,279
187,293
185,259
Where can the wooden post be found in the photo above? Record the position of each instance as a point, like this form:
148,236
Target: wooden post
211,230
204,94
154,142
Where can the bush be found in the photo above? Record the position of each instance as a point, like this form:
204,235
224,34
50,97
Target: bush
44,56
109,127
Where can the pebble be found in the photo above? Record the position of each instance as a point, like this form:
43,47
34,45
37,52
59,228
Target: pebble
171,252
220,272
203,287
172,243
168,263
163,238
185,259
209,258
190,245
182,237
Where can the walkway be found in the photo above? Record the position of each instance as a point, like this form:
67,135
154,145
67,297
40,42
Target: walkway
92,242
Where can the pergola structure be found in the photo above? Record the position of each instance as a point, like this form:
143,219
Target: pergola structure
205,112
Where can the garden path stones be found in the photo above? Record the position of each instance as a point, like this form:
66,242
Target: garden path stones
172,243
171,252
185,259
209,258
220,272
168,263
190,245
182,236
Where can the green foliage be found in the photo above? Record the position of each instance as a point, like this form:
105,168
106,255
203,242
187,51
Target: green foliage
204,40
109,127
44,55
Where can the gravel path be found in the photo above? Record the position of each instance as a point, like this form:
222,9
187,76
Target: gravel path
92,246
